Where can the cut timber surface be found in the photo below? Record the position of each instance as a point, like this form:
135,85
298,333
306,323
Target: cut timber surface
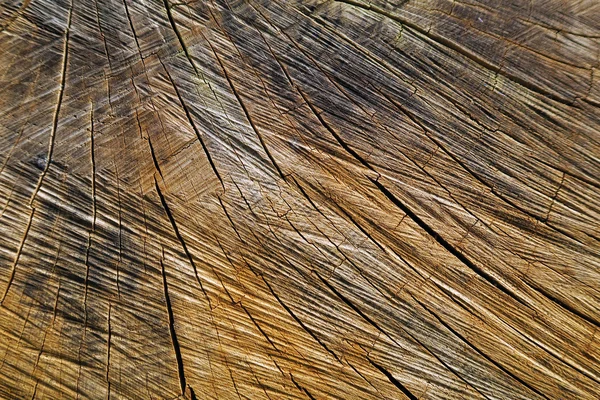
308,199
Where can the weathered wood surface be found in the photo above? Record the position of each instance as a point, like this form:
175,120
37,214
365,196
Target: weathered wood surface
300,199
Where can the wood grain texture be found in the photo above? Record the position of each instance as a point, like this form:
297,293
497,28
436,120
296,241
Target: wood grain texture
305,199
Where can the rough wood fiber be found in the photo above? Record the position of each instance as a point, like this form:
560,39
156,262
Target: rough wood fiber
300,199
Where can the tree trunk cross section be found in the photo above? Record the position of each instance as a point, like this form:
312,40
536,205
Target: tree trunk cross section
311,199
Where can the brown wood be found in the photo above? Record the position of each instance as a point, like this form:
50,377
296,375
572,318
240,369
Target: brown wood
300,199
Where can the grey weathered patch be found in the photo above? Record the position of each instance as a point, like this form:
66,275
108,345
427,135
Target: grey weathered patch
40,161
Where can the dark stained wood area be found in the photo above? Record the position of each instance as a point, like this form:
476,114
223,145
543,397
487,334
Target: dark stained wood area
300,199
